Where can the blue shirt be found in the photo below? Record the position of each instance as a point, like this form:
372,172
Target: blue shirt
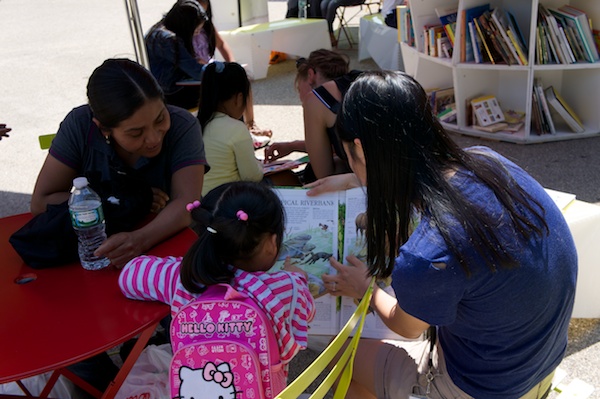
170,61
502,332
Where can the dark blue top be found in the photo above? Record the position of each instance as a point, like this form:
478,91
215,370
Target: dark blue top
343,84
80,145
502,332
170,61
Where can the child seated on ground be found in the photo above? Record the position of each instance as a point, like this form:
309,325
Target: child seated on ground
228,144
240,228
206,42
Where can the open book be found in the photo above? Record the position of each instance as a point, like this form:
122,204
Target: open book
318,228
283,164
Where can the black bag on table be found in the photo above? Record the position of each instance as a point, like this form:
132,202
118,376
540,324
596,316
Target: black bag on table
49,240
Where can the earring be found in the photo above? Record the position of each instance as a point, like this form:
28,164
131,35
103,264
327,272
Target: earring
107,138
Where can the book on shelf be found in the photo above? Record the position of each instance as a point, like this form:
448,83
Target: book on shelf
513,122
405,28
596,35
487,110
431,33
567,41
499,48
574,40
444,47
513,27
542,47
317,228
441,100
555,54
497,18
486,55
468,15
564,110
536,117
544,124
579,21
514,119
493,128
475,43
448,19
521,52
545,109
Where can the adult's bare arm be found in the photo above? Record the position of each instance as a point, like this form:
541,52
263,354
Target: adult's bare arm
52,186
186,187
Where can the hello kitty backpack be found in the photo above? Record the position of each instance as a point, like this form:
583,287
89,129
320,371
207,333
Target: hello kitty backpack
224,347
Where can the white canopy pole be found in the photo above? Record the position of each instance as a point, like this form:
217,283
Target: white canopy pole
137,34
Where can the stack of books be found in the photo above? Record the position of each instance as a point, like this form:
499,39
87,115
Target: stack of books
443,104
405,29
564,36
492,36
542,118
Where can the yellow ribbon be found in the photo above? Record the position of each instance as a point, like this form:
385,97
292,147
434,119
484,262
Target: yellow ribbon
344,364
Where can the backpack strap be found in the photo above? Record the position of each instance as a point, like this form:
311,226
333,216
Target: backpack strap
231,293
327,99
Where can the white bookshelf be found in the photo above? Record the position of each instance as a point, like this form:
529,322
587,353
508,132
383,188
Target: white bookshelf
578,84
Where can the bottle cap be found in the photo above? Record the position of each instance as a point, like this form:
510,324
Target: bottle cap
80,182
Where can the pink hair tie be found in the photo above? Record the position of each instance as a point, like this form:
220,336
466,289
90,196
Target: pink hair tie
192,205
241,215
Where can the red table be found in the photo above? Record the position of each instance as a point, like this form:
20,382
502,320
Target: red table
68,314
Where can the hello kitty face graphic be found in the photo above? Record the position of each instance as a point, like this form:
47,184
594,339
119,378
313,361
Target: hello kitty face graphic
210,382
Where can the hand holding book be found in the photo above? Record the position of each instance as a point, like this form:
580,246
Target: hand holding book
351,280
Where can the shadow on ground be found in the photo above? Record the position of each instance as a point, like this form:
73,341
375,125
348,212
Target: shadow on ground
13,203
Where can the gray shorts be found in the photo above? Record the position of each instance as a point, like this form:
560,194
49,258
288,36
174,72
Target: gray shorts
401,370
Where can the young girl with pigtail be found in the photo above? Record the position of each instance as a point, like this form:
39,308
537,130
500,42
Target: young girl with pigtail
240,227
227,141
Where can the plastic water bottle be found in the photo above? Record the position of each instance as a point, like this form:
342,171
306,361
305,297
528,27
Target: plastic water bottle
302,9
87,217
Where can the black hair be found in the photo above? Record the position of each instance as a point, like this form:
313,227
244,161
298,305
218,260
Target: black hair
220,81
209,28
182,19
408,155
223,238
118,88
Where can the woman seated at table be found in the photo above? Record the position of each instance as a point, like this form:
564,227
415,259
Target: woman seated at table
321,81
171,52
127,130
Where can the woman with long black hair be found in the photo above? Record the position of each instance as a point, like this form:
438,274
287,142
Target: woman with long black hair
490,269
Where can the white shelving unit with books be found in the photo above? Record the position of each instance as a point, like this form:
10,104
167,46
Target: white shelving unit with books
578,82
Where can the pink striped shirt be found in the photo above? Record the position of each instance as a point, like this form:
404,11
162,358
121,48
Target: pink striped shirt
283,296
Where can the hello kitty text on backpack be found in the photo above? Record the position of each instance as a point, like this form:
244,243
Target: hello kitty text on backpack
224,347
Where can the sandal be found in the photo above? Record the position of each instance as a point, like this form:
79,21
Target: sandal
277,57
256,131
260,142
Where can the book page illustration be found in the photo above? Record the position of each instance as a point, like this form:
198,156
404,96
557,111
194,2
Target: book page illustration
310,237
